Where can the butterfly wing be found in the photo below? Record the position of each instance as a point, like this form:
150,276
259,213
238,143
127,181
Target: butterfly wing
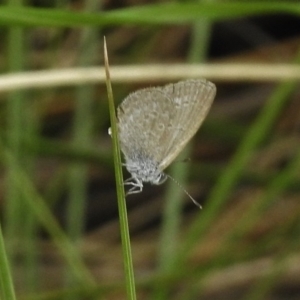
192,100
144,120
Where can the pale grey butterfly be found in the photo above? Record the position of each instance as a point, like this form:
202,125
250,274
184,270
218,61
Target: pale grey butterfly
154,125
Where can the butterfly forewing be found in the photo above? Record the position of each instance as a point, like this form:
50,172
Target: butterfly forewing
143,119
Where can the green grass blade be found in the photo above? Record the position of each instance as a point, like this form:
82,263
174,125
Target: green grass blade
14,227
125,237
174,196
6,281
163,13
82,139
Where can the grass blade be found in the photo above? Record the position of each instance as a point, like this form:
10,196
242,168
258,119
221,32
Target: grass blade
127,256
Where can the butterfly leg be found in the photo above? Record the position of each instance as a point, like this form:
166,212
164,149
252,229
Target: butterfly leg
137,185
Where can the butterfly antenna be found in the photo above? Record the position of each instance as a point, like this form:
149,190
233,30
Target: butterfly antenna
185,191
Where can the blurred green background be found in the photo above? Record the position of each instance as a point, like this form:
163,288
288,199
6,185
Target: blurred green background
60,236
